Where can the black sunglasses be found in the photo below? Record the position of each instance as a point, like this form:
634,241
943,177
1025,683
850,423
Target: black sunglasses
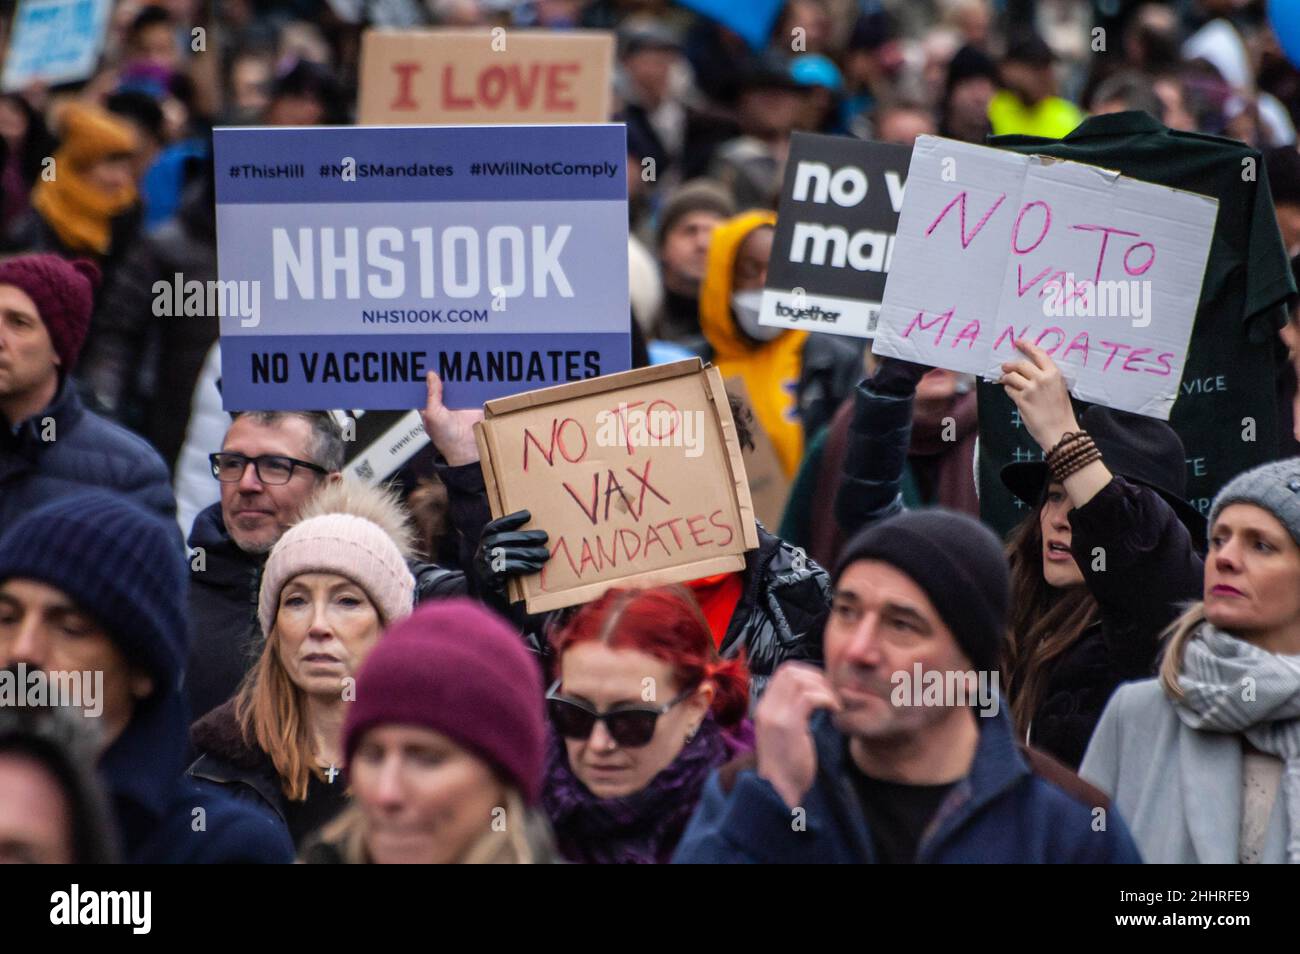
631,728
228,467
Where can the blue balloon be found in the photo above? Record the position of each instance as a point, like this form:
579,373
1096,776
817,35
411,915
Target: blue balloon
1284,16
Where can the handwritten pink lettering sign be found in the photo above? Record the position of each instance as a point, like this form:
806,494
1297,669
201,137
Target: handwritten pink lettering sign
1100,270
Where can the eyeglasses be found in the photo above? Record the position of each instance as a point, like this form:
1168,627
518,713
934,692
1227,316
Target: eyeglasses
271,468
631,727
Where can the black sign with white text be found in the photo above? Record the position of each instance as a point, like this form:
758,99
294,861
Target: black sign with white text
834,234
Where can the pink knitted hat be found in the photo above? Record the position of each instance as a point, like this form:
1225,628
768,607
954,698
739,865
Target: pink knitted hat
352,530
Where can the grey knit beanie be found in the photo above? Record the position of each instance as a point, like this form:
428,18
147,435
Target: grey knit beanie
1274,486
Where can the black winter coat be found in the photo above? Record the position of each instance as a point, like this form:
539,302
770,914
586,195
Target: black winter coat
32,233
247,773
85,450
830,366
224,583
1140,565
133,362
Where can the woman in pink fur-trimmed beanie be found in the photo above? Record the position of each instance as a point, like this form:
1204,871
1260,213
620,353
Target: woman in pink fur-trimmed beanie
330,586
351,531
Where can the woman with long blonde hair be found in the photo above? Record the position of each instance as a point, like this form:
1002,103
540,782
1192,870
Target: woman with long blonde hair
1203,762
331,584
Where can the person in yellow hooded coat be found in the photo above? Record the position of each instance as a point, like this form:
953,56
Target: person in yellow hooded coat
795,379
87,206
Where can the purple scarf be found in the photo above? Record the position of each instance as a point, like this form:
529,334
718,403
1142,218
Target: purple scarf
644,827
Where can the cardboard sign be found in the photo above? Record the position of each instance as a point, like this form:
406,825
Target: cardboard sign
1101,271
353,261
468,77
834,234
768,486
54,41
637,478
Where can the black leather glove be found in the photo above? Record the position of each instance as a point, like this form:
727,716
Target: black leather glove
505,551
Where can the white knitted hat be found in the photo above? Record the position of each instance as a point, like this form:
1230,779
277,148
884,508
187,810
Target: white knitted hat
354,530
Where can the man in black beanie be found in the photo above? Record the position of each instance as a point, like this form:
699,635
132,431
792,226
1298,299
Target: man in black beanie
898,752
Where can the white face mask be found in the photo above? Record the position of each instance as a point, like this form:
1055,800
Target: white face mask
745,306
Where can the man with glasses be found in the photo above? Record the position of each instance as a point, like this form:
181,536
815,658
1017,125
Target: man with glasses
269,465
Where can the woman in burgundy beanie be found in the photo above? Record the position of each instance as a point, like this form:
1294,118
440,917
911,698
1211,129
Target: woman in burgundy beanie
445,744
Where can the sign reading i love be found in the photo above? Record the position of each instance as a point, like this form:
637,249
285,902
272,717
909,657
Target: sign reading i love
467,77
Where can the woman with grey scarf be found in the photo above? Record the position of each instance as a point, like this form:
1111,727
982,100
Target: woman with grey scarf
1204,761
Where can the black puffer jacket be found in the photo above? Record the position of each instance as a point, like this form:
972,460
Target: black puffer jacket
781,612
228,763
224,583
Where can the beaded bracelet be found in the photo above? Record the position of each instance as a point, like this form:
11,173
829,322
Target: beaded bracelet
1077,466
1067,466
1068,438
1071,443
1069,454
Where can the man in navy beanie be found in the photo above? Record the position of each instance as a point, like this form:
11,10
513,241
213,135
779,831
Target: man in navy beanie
95,584
899,752
50,443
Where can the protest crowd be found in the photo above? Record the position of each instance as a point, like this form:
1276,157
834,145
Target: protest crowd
919,593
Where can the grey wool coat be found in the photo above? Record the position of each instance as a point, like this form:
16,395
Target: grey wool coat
1179,789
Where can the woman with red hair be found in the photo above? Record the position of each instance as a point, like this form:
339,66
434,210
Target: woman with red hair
642,711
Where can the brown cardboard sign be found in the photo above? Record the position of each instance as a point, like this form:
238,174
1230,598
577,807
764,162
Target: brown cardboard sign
637,478
768,485
473,77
